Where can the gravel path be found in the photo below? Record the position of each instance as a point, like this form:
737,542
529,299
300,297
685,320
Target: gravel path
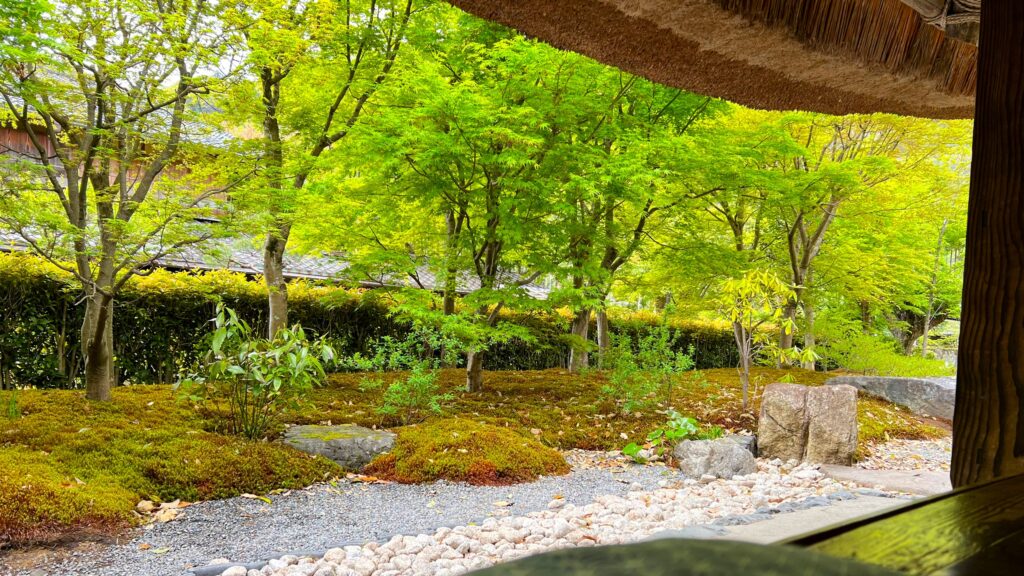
449,527
321,517
910,455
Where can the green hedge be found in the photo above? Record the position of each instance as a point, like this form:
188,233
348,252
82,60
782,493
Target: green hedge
161,319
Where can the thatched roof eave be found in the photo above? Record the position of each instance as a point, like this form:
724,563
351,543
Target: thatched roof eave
834,56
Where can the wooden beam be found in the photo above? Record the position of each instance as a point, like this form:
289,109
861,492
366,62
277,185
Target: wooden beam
988,426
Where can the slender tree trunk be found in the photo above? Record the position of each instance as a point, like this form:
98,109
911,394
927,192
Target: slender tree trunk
786,337
579,358
474,371
809,338
988,427
743,346
604,335
277,287
98,347
931,292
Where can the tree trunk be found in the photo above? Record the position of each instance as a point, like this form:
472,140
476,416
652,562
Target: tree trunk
931,289
474,371
988,428
809,339
579,358
273,275
786,338
604,335
98,347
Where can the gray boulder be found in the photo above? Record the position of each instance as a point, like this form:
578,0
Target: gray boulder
349,445
747,441
808,424
925,396
721,458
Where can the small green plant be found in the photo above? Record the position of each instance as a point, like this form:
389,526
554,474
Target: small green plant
410,399
660,441
422,352
10,406
251,379
650,374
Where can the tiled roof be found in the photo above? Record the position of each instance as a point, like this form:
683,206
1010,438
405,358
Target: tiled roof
241,255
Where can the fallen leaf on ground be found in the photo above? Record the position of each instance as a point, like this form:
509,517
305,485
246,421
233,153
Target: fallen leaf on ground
256,497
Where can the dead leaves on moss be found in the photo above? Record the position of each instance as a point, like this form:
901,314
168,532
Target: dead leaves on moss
150,512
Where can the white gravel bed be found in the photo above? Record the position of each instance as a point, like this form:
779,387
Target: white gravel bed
608,519
910,455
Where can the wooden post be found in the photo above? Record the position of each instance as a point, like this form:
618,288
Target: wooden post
988,427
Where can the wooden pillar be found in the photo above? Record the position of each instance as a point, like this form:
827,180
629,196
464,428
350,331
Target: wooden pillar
988,427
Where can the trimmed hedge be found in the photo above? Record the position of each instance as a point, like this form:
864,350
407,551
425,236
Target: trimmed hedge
161,319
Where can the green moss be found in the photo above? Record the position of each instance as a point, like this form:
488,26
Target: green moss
566,410
69,465
459,449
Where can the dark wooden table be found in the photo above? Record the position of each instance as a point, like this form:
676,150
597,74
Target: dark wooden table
974,530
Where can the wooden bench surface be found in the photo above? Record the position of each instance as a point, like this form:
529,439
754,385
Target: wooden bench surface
974,530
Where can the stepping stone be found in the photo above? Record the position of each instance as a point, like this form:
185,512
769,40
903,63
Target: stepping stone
925,396
351,446
922,482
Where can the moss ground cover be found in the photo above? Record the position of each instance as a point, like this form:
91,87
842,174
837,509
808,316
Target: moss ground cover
563,410
461,449
68,466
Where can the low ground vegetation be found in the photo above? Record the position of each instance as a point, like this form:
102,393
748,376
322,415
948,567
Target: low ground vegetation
69,466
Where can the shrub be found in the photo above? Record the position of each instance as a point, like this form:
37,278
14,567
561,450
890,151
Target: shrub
462,450
253,379
163,315
844,344
410,399
647,374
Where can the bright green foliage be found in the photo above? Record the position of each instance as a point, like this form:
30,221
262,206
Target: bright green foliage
461,450
751,302
251,379
648,374
662,440
409,400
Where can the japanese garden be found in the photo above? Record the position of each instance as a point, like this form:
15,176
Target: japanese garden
383,287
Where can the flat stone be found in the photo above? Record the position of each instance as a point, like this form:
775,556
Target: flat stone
700,532
921,482
925,396
351,446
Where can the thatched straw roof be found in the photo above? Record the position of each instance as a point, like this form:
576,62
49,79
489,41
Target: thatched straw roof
915,57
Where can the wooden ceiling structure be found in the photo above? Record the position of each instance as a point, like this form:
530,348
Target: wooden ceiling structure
928,58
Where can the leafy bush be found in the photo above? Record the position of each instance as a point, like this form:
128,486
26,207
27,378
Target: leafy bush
461,450
661,440
845,344
647,374
253,379
163,315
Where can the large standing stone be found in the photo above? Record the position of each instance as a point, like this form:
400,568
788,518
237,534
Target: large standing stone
813,424
925,396
721,458
831,424
349,445
782,426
